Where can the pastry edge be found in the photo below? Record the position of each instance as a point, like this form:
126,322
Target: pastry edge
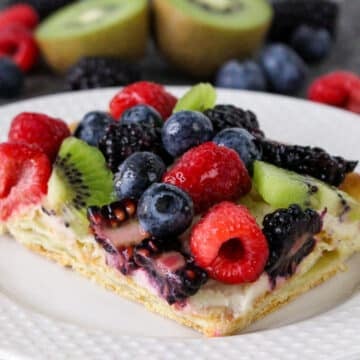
217,322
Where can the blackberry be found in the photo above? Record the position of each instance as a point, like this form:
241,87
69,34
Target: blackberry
307,160
173,272
229,116
290,234
106,223
97,72
290,14
122,140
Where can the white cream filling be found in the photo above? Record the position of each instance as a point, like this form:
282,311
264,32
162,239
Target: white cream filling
50,232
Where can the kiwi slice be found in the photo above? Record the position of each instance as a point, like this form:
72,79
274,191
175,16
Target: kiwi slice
199,98
200,35
80,178
280,188
94,28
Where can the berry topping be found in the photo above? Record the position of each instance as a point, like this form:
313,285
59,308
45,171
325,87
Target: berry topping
334,88
21,14
307,160
97,72
11,79
242,142
92,127
247,75
290,233
353,103
20,46
284,69
229,244
165,210
120,141
311,44
142,115
172,272
290,14
229,116
184,130
137,173
146,93
209,174
116,231
24,174
41,130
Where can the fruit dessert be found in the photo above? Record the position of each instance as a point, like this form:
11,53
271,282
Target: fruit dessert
182,205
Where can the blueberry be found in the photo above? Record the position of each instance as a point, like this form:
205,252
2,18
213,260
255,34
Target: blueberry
310,43
165,210
247,75
137,173
284,69
11,79
242,142
92,127
184,130
143,115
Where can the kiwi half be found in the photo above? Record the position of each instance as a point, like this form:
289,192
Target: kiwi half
94,28
200,35
80,178
280,188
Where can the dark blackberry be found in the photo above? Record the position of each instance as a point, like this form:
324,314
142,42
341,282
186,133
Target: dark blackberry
173,272
122,140
43,7
290,234
229,116
97,72
107,223
290,14
307,160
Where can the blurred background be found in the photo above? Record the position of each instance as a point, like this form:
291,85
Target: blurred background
278,46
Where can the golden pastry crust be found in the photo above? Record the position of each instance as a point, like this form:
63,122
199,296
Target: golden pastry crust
215,322
351,185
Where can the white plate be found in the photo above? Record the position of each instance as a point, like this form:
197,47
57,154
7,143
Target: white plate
47,312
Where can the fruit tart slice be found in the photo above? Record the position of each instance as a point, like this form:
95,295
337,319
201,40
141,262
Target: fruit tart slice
216,239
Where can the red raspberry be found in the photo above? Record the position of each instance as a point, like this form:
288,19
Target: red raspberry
22,14
334,88
229,245
353,103
41,130
210,174
24,174
20,45
143,92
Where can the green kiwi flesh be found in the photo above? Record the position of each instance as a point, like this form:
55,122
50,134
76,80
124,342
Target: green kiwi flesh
198,36
94,28
280,188
199,98
80,178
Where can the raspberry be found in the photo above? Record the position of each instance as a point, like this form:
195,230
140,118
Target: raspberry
334,88
20,45
209,174
229,244
353,103
24,173
41,130
22,14
143,92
